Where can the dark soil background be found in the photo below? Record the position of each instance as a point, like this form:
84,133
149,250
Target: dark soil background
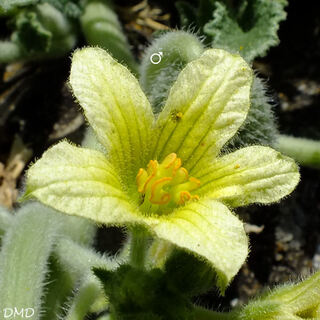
37,106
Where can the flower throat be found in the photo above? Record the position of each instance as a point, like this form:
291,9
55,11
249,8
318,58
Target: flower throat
166,183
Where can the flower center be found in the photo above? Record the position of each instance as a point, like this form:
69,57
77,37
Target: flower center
166,183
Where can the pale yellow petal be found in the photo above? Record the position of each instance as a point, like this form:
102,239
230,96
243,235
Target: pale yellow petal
115,107
209,230
252,174
81,182
206,106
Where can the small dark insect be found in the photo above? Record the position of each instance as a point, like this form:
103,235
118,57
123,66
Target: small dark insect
176,115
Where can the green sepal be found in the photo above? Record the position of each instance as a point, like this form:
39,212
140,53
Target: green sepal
136,294
260,309
299,298
287,302
188,274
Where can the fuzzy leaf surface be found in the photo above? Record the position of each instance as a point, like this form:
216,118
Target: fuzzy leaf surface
250,29
7,5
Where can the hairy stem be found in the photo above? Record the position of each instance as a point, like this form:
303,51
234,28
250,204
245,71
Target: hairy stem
86,295
139,245
24,256
158,253
30,237
79,260
59,289
78,229
304,151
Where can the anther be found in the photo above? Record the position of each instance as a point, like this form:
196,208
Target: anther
166,182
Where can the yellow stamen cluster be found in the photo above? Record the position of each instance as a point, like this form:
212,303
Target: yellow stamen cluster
166,182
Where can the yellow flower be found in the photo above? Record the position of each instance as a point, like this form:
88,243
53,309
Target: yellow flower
165,173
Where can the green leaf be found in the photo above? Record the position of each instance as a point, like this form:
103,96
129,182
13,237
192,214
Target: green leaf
31,34
7,5
115,107
252,174
79,182
101,27
69,8
250,29
205,108
43,31
209,230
